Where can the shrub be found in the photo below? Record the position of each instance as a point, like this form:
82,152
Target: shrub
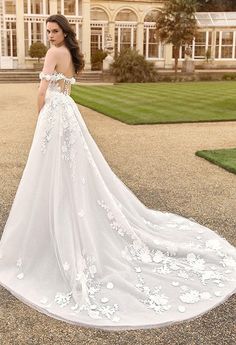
205,77
97,59
229,76
131,67
37,50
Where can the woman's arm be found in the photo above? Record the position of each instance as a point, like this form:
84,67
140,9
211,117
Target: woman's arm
48,68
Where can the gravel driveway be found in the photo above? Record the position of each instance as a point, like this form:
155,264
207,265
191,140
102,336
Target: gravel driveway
158,163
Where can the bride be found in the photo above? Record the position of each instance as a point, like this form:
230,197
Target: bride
80,247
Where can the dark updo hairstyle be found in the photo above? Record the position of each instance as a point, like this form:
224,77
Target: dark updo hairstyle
70,40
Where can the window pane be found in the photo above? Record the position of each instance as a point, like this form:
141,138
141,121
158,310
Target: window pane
200,38
69,7
125,38
25,6
227,38
10,37
37,6
153,44
144,41
10,7
153,51
200,45
226,52
134,38
37,32
125,35
26,39
200,51
209,38
59,6
96,40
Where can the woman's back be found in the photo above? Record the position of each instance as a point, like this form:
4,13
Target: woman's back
59,69
64,61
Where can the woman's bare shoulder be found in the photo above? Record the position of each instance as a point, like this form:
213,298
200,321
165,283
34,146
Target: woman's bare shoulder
52,51
63,51
58,51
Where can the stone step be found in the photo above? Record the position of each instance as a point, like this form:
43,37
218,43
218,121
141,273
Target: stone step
31,76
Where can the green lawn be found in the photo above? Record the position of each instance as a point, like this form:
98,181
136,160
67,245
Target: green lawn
225,158
161,102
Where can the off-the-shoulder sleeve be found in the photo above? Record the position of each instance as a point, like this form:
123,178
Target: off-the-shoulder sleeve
55,77
45,76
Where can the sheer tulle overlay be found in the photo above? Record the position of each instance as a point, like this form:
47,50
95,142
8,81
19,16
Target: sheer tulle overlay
79,246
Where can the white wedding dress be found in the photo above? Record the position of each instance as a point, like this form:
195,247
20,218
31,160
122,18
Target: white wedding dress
79,246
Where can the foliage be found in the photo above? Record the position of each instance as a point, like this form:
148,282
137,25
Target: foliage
98,56
97,59
37,50
130,66
229,76
216,5
177,24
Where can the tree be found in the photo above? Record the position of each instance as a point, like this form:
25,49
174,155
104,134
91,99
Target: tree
177,25
216,5
37,50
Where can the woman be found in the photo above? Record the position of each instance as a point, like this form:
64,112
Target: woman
78,244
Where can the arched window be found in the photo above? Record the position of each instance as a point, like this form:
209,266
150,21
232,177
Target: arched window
152,47
125,30
99,24
126,15
98,13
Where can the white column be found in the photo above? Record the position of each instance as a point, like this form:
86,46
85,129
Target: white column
76,7
118,38
220,45
44,7
234,39
111,31
213,46
20,34
33,33
146,53
168,56
53,6
139,39
86,34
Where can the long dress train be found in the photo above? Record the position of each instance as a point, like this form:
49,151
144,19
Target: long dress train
79,246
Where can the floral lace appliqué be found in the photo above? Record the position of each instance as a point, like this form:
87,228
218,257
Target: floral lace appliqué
96,304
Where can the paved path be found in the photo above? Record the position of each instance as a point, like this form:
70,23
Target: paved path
158,163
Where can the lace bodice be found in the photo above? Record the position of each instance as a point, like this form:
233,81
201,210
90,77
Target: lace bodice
58,81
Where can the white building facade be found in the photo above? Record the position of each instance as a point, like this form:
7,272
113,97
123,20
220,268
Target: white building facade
128,23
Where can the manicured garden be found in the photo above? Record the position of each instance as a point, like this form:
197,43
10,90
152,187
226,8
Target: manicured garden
149,103
225,158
